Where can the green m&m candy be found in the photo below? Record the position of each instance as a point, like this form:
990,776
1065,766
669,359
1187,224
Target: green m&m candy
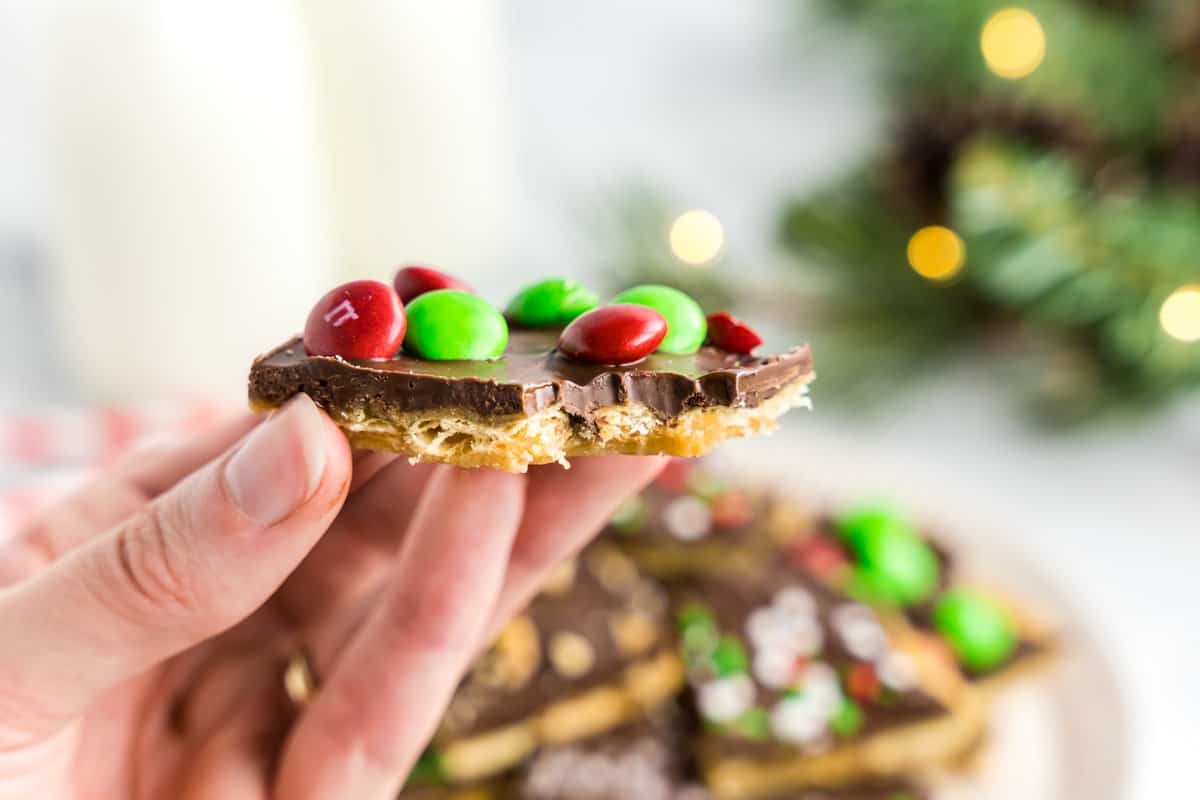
551,303
861,524
895,565
686,325
452,325
977,629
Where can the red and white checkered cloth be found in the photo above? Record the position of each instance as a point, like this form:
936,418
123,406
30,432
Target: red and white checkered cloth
51,452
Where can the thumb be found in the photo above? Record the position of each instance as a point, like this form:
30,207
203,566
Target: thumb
193,563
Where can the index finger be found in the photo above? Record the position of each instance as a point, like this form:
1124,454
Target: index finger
113,497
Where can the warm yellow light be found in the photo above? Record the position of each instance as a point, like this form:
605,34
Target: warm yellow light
936,253
1013,43
696,237
1180,314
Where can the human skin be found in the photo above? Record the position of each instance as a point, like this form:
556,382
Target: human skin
145,622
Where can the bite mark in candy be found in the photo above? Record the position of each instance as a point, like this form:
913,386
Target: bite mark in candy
619,334
357,320
412,282
730,333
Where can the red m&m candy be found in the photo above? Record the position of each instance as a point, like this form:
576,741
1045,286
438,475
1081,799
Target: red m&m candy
617,334
360,319
411,282
730,333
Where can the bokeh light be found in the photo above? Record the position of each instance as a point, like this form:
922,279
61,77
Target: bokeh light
697,237
1013,43
936,252
1180,314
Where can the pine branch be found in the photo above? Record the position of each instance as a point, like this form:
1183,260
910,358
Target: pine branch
1105,69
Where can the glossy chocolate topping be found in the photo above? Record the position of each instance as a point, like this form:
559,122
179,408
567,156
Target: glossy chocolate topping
530,376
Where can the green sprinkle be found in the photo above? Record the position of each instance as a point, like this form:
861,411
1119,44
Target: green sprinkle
699,642
848,719
729,656
705,485
630,516
429,769
698,632
694,615
754,724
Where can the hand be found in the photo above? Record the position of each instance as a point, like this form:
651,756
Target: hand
146,622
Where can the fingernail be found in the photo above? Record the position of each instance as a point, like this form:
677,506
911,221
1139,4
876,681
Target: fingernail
280,464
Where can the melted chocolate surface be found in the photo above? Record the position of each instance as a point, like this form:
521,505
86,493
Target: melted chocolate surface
529,377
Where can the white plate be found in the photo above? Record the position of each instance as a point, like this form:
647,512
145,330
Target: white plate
1050,738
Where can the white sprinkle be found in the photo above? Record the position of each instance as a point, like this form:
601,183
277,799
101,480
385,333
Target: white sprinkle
796,599
860,631
897,671
796,720
775,668
725,699
776,627
820,687
687,519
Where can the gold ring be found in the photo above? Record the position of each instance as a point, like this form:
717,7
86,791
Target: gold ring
299,681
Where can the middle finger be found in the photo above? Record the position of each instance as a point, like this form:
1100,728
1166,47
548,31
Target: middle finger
358,551
389,686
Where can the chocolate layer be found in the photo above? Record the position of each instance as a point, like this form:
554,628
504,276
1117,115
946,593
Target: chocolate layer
585,607
528,378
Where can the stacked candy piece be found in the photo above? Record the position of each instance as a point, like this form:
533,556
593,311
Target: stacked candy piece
721,642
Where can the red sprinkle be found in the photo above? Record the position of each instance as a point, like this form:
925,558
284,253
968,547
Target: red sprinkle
414,281
862,683
732,509
360,319
819,556
617,334
730,333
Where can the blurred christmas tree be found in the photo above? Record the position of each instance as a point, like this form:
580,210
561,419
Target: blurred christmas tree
1040,200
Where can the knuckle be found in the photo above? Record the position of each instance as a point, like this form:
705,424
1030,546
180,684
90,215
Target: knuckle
149,563
106,503
433,621
38,539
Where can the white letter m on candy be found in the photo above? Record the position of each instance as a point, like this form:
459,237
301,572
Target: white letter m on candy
340,314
